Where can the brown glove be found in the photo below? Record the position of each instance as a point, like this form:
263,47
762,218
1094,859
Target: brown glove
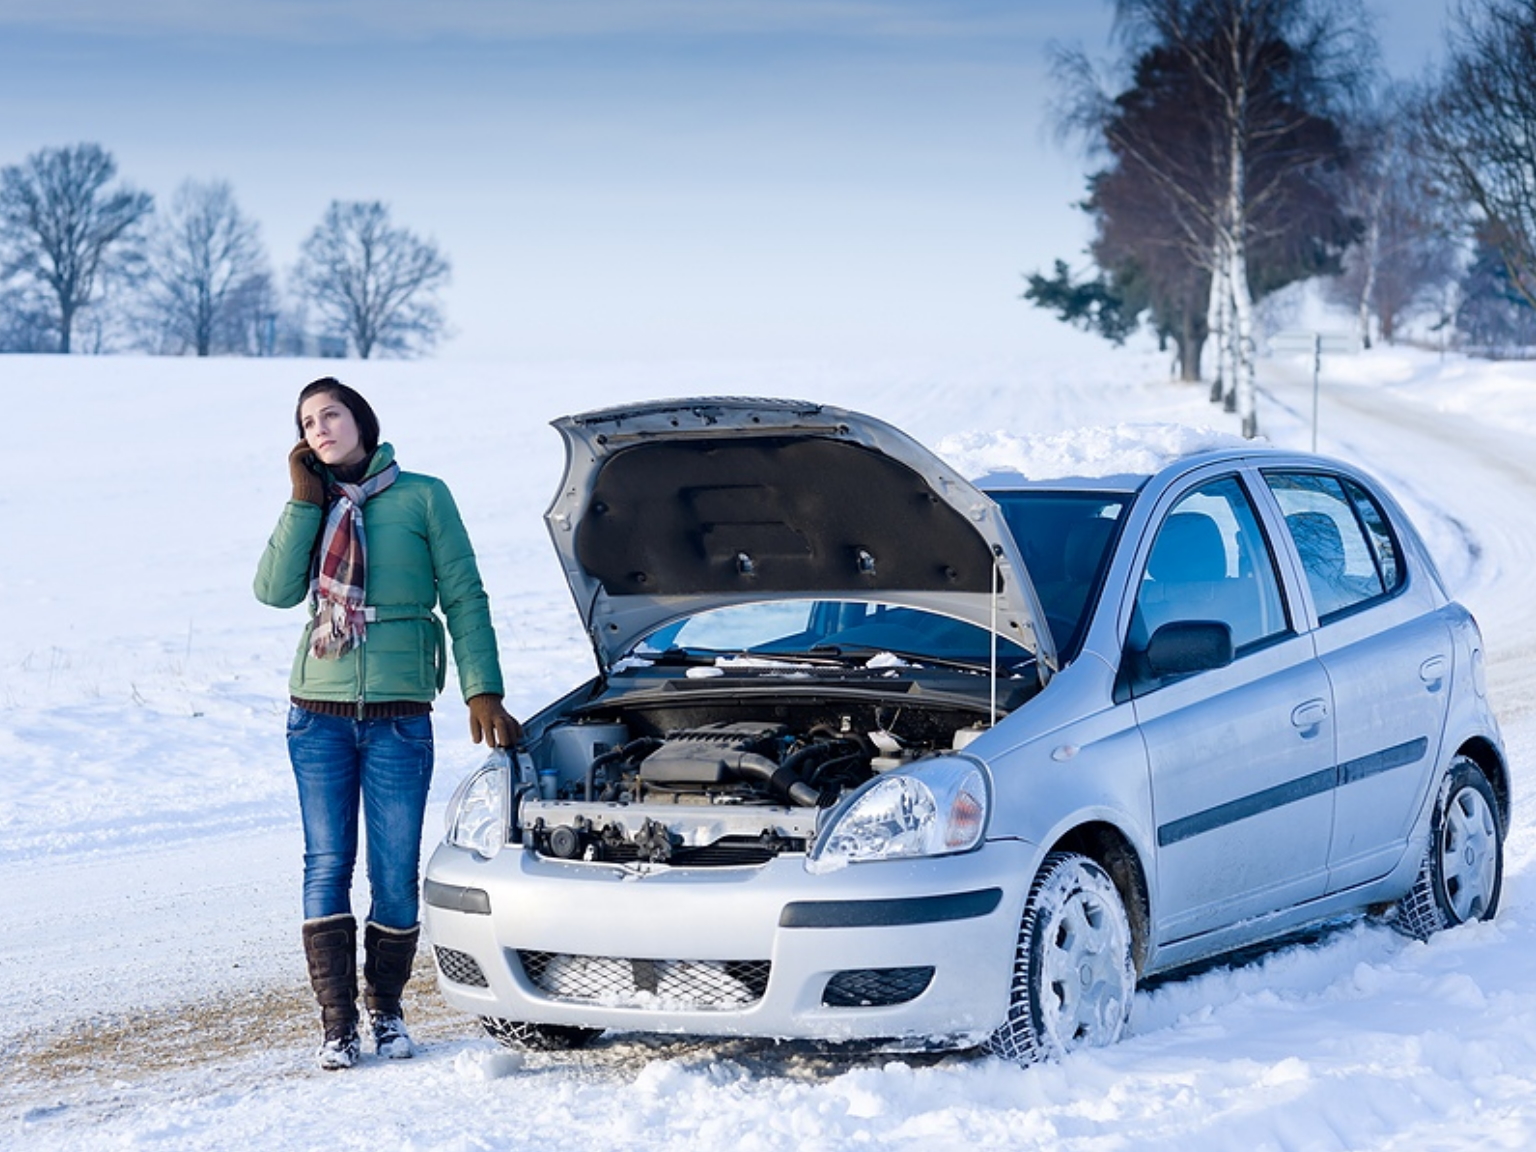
489,719
307,485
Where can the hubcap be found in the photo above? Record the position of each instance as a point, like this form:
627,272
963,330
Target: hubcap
1469,855
1085,986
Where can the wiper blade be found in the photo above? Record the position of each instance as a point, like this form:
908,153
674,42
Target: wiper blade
710,657
678,657
864,652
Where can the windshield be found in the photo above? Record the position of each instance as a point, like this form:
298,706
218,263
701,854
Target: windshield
1066,539
847,631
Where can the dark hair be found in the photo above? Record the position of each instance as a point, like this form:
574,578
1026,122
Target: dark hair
367,422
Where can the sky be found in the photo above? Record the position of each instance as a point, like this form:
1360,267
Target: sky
828,180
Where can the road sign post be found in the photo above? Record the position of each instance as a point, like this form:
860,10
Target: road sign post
1299,340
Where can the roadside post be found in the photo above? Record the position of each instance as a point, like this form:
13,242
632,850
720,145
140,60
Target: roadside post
1299,341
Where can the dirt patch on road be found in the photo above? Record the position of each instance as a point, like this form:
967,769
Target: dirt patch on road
96,1061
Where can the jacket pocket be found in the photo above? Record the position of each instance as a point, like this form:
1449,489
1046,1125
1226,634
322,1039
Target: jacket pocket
407,658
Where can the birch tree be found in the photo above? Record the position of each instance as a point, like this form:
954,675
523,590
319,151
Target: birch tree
1269,73
1191,126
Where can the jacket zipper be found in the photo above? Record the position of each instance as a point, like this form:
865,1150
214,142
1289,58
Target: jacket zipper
362,651
362,678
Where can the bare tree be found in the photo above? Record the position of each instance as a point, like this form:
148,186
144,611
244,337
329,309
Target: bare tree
25,322
64,230
251,318
372,281
206,257
1407,252
1480,125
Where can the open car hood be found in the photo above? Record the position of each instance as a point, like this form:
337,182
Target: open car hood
674,507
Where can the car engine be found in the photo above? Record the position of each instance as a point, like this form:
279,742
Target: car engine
708,793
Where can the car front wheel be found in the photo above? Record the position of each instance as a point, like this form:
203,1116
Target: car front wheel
1463,869
1073,977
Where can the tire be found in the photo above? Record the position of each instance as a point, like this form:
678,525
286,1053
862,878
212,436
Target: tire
1462,874
538,1037
1073,976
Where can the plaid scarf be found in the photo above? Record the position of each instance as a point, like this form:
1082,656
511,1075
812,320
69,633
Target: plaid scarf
339,584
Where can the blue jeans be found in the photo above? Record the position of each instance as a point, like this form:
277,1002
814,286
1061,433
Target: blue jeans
384,766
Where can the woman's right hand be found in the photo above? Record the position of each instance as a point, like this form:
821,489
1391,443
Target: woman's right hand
307,485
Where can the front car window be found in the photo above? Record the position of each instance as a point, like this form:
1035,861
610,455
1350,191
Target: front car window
1341,536
856,629
1210,562
1066,539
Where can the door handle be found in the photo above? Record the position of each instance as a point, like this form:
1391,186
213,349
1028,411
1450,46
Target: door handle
1310,714
1433,673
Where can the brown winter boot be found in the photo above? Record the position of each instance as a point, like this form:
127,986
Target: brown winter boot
387,956
330,948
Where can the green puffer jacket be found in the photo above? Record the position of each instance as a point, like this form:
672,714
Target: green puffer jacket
418,556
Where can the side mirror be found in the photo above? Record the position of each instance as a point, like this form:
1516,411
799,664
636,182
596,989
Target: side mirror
1185,646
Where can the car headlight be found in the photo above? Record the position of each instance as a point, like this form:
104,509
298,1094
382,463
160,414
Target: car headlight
477,814
934,808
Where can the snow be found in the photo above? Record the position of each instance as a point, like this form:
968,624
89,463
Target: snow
152,993
1093,453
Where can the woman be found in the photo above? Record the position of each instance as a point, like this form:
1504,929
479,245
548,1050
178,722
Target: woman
374,550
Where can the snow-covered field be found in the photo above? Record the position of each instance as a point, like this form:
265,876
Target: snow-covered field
151,986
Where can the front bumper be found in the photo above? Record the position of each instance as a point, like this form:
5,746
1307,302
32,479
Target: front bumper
755,951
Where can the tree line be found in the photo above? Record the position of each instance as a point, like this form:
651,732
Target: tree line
1250,144
89,263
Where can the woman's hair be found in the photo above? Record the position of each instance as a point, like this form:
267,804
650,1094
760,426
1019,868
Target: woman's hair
367,422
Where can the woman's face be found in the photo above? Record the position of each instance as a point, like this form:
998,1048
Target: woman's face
330,430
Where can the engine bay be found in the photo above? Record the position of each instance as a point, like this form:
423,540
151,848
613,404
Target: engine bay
701,786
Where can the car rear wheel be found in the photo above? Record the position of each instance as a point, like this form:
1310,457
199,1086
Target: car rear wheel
1073,976
1463,869
538,1037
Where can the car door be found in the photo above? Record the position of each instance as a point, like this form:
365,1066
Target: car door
1241,756
1388,656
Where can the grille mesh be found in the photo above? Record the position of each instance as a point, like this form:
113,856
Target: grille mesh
876,987
658,984
460,967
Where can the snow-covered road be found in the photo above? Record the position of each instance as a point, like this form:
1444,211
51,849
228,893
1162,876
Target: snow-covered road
151,990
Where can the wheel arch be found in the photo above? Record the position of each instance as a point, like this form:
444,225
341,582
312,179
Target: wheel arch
1110,848
1482,752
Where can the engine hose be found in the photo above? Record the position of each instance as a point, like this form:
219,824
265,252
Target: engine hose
645,745
780,779
833,747
839,763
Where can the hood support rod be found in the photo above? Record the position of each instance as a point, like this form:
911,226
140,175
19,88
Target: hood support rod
992,633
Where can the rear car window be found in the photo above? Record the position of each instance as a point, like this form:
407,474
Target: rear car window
1341,535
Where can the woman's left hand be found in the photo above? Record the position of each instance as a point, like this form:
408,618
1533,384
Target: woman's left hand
489,719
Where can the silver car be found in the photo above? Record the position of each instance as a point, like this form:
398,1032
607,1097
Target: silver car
874,752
